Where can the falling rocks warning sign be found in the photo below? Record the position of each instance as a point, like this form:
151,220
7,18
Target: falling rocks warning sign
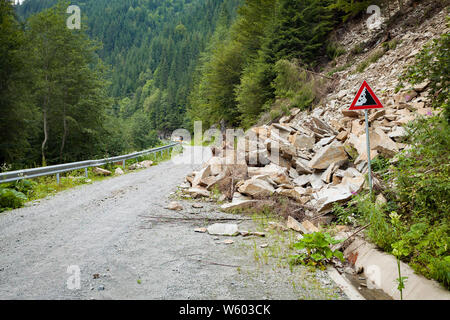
365,99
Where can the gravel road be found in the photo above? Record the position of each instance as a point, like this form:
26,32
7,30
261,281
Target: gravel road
101,229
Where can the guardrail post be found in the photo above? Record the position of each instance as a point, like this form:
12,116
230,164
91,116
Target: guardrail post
123,164
57,178
86,172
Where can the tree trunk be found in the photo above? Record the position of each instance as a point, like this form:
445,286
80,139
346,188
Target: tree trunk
44,163
63,142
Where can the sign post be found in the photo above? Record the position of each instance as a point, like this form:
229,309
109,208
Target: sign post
366,99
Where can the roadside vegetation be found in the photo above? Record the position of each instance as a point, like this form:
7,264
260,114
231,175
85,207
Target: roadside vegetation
414,224
14,195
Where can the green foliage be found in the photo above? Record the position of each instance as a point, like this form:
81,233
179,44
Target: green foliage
351,8
318,252
418,231
334,50
11,199
433,64
422,174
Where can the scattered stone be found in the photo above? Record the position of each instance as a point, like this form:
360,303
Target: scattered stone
228,241
200,230
174,206
332,153
264,245
257,187
118,171
309,226
295,225
256,233
223,229
101,172
197,192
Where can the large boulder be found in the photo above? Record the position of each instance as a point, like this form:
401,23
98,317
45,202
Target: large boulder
333,152
101,172
200,175
277,173
257,187
302,141
338,193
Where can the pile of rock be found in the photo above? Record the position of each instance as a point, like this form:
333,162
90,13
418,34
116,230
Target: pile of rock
316,159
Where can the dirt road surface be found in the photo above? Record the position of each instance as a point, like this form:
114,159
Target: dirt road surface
101,229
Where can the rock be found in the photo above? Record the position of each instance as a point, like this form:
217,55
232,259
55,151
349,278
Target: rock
323,126
342,135
421,86
264,245
202,174
228,241
383,144
324,141
238,205
374,116
223,229
135,166
256,233
334,152
358,127
326,176
101,172
302,141
297,193
174,206
380,200
302,166
215,165
200,230
196,192
197,206
295,225
338,193
258,157
101,288
302,180
256,187
398,133
351,113
277,173
309,226
146,163
293,173
222,183
118,171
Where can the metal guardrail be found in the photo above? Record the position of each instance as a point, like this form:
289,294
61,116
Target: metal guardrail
60,168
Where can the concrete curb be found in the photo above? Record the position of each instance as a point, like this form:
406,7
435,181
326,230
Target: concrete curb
342,283
381,271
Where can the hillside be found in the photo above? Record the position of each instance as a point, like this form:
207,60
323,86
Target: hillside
308,163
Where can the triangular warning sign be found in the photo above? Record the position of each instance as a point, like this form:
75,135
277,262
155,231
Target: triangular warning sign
365,99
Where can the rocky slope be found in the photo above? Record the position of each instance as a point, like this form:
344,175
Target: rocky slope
318,158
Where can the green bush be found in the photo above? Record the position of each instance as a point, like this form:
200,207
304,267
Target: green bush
11,199
318,251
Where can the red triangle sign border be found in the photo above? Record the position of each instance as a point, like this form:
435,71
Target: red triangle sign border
378,103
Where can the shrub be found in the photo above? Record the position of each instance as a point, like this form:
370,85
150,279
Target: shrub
318,252
11,199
